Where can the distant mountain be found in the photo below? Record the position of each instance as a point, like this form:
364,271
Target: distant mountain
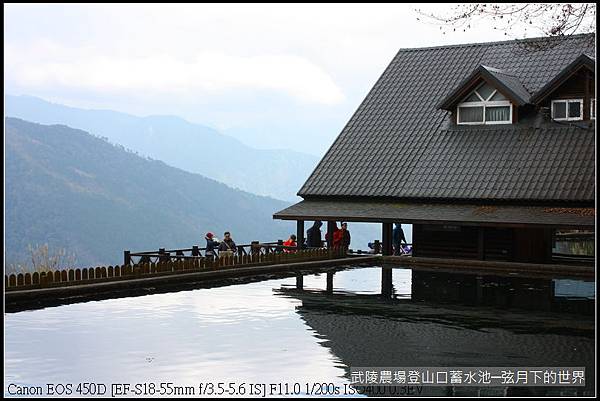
72,190
199,149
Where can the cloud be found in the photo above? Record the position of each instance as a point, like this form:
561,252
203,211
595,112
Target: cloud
269,68
46,65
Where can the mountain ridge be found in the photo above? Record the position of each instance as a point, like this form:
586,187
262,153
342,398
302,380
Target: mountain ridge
278,173
76,191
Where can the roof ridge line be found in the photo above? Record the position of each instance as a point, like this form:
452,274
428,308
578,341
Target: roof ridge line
498,42
499,71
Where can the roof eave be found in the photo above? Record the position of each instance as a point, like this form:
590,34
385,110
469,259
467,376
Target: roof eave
486,214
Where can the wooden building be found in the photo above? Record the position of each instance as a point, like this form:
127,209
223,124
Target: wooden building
486,148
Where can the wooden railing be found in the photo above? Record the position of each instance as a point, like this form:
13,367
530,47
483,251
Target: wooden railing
163,254
79,276
255,247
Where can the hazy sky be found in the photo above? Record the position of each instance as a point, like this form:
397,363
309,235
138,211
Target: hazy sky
273,75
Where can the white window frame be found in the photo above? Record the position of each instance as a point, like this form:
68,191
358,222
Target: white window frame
567,101
485,103
593,108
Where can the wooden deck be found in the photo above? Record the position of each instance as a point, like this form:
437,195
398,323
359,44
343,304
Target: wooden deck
23,298
25,294
458,265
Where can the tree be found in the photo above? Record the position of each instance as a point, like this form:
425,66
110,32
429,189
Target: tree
550,19
43,259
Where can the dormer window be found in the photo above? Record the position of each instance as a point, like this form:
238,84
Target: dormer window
485,105
567,110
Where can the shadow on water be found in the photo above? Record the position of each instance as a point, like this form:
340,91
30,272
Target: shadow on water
452,319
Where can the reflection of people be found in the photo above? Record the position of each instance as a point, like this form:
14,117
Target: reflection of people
345,236
398,237
290,242
313,235
227,246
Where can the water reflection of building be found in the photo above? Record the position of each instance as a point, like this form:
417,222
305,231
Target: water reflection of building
502,292
441,326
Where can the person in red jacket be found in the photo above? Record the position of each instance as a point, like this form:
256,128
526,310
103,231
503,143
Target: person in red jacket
290,242
334,239
338,236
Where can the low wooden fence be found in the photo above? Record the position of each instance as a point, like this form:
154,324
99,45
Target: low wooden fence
23,281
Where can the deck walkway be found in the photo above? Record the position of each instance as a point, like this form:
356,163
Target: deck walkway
459,265
20,299
23,298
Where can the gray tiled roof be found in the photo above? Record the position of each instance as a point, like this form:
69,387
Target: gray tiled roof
398,144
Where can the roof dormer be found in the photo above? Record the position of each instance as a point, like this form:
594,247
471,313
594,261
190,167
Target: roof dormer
582,65
487,96
571,94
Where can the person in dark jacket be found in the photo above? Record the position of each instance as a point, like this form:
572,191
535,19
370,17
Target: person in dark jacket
227,246
345,236
211,244
313,235
397,237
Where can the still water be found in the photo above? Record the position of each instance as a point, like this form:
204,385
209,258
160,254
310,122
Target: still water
273,332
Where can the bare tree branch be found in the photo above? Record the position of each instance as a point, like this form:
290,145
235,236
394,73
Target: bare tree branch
550,19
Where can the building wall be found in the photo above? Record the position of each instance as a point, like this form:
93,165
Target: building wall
445,241
533,245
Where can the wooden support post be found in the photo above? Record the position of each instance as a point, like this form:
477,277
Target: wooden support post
300,233
377,247
479,288
480,244
416,239
329,288
387,238
127,257
386,282
299,281
195,250
548,242
586,96
329,234
279,245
